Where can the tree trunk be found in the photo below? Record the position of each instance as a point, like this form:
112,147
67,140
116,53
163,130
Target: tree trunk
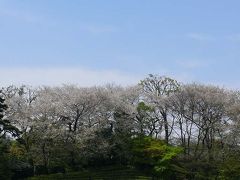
164,115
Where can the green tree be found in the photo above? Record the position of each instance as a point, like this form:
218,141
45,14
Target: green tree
6,131
155,156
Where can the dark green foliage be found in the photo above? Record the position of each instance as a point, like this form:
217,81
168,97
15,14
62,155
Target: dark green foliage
5,171
142,107
199,169
109,173
230,169
11,162
21,170
107,148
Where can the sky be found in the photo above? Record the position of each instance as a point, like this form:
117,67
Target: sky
51,42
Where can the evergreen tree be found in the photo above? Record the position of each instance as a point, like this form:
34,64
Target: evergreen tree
5,125
5,128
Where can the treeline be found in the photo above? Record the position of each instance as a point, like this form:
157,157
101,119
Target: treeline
159,126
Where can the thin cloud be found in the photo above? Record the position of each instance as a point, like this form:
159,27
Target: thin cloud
200,36
94,28
20,15
85,77
234,37
58,76
192,64
231,84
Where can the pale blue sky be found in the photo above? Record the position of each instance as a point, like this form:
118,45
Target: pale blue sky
94,41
